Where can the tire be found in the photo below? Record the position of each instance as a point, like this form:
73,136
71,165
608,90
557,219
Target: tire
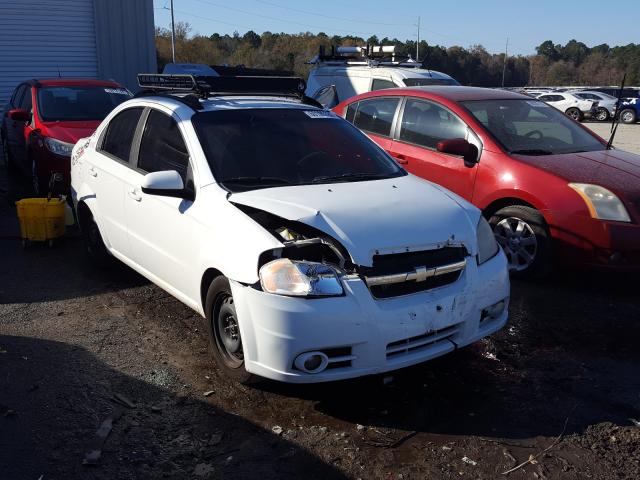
94,246
574,113
8,162
224,332
628,115
524,236
602,114
39,188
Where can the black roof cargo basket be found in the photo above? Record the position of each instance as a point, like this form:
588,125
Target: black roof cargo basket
241,70
204,86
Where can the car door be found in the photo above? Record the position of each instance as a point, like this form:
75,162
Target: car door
422,124
108,171
161,228
376,118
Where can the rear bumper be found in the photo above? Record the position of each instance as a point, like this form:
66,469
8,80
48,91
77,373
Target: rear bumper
363,336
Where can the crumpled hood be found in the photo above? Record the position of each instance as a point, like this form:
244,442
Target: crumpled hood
380,216
615,170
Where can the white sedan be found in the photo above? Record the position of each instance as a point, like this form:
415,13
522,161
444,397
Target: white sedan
312,255
572,105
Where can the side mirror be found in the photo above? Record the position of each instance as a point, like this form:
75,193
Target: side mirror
167,183
19,115
461,148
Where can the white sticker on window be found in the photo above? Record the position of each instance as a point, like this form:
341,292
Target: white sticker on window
117,91
537,103
320,114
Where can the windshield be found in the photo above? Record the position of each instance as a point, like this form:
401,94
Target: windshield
531,127
424,81
79,103
259,148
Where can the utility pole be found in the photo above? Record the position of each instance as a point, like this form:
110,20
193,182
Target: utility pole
173,36
504,65
418,43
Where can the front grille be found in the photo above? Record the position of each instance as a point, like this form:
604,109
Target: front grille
400,274
421,342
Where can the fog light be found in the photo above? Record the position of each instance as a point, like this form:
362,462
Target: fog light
311,362
492,312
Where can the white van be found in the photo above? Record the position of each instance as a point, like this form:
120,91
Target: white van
350,71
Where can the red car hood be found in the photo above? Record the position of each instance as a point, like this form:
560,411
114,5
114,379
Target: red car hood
69,132
615,170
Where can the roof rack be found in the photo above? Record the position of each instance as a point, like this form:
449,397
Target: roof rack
198,87
369,55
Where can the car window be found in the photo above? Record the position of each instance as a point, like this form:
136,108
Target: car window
162,146
426,123
26,102
376,115
17,96
551,98
531,127
120,132
381,84
79,103
351,112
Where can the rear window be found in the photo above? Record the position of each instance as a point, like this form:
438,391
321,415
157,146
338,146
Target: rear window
79,103
260,148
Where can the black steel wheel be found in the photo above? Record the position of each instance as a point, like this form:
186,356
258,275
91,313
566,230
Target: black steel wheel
224,331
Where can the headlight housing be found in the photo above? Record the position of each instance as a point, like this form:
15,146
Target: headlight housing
58,147
487,245
602,203
300,279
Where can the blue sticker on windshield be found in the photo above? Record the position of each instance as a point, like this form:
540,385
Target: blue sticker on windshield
320,114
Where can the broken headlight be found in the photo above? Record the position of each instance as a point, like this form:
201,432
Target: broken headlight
487,245
300,279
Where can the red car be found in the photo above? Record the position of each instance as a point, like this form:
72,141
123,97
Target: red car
548,185
45,118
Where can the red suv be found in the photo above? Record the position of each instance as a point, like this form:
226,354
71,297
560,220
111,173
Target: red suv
45,118
548,185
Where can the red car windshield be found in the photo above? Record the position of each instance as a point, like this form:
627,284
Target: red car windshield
531,127
79,103
260,148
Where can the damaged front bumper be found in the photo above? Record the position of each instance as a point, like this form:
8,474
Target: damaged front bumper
356,334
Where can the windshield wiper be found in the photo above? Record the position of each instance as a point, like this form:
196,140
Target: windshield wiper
257,181
532,151
349,176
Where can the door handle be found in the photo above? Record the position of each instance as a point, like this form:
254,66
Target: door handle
401,158
92,172
135,195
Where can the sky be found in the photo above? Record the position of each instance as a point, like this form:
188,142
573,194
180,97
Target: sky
450,22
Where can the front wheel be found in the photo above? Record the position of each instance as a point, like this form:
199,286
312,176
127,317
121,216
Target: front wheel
628,116
602,114
38,186
224,331
574,113
94,246
5,154
523,235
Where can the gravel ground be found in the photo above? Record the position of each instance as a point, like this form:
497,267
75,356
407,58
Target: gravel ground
627,137
104,376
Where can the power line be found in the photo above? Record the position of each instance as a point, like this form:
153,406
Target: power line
316,14
233,9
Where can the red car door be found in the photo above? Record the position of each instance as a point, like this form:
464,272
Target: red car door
423,124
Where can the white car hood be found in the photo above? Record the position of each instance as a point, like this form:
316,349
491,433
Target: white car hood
374,217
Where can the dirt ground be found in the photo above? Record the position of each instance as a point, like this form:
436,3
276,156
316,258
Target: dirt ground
104,376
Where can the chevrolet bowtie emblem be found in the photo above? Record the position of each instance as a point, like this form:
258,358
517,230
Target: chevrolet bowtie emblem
422,273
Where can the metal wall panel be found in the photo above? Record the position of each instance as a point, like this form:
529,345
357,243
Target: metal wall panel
45,39
125,39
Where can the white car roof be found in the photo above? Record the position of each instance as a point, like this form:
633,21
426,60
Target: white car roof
398,72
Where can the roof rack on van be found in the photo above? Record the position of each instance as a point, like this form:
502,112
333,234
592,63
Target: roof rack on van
369,55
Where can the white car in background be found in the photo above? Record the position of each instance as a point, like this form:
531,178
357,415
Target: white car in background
606,103
573,106
312,254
